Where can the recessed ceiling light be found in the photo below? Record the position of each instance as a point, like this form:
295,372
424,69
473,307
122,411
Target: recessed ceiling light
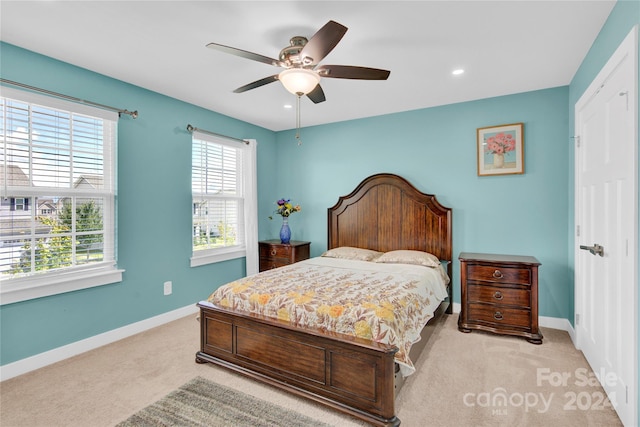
457,72
288,106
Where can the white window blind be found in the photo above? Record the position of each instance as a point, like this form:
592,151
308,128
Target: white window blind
222,197
57,196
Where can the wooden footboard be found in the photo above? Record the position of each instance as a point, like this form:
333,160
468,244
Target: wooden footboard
384,213
349,374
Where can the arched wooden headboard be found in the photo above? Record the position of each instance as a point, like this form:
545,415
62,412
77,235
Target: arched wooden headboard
385,212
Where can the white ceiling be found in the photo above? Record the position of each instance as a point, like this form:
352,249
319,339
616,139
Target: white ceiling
505,47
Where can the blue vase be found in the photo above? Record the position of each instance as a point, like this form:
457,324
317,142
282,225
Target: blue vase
285,231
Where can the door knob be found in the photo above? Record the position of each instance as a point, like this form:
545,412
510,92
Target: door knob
596,249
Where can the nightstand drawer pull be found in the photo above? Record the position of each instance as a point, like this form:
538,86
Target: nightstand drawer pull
498,316
498,295
498,274
273,252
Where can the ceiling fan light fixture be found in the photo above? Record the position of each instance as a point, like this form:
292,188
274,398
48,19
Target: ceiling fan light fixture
299,81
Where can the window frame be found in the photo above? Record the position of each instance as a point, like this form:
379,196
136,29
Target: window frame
53,282
248,216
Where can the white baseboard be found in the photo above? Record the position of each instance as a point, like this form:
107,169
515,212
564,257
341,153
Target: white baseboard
32,363
558,323
41,360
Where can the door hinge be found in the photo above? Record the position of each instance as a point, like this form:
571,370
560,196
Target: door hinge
577,319
625,94
578,230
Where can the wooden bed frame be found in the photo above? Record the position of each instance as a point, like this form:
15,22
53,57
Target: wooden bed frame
385,212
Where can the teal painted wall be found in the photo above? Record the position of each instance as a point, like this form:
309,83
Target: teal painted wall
435,149
530,214
624,16
154,213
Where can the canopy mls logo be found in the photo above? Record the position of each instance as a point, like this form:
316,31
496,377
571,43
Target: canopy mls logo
499,400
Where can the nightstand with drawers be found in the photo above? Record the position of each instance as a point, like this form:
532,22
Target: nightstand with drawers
274,254
499,294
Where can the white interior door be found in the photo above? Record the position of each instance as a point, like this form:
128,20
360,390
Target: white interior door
606,219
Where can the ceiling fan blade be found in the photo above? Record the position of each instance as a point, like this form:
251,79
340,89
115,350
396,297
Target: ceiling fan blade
322,43
245,54
352,72
317,95
257,83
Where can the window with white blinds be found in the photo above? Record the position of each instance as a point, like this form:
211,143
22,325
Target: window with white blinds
220,175
57,216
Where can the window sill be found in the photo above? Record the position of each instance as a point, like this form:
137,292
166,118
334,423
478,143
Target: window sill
210,258
47,284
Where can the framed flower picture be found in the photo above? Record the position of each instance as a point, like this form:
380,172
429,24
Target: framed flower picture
501,150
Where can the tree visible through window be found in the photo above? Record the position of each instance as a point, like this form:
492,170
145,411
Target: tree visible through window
57,250
57,184
218,196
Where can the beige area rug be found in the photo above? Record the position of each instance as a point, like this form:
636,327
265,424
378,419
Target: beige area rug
204,403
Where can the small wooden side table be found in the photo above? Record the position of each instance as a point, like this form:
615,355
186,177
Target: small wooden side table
274,254
499,294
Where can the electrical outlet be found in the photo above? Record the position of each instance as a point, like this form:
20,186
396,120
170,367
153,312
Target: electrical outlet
167,288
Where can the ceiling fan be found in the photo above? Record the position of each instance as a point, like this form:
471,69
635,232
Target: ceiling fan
302,73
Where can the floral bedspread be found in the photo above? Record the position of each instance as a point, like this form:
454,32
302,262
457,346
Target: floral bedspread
387,303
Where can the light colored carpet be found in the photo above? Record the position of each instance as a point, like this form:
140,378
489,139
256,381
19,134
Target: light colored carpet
472,379
503,381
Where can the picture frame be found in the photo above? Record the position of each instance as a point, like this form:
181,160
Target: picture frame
501,149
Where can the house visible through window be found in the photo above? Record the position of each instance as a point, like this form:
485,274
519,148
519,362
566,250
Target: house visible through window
57,196
219,176
19,204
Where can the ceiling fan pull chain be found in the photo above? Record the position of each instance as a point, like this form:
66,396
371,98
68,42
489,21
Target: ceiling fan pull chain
298,120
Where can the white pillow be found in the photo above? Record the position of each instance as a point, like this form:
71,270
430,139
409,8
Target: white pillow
409,257
347,252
